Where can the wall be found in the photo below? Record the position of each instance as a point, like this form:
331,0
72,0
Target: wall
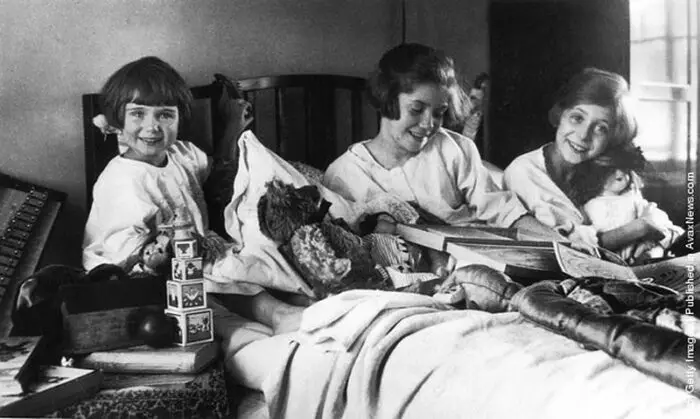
55,50
458,27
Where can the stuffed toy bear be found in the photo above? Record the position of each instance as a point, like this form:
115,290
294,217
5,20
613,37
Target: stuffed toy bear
325,251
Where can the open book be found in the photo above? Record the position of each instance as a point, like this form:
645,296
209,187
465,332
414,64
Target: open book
525,260
18,362
54,388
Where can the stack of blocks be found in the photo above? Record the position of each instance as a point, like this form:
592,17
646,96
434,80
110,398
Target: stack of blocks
187,300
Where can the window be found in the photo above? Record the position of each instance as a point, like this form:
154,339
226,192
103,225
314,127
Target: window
664,76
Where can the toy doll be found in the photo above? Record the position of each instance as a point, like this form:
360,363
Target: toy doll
619,202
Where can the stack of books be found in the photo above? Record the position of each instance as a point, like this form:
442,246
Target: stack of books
144,365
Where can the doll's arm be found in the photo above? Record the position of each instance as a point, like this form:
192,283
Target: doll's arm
658,219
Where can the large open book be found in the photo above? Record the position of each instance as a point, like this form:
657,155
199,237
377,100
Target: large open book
524,260
54,388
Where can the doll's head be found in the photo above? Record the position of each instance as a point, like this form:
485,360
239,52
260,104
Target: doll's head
156,254
613,173
617,182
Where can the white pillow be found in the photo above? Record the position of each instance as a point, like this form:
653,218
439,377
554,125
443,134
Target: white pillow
263,263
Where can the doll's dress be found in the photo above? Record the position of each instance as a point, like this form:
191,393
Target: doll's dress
606,213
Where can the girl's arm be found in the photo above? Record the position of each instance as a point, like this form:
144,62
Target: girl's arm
632,232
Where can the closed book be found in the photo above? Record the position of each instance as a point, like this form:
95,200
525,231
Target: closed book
18,362
436,236
526,264
145,359
476,231
55,387
527,260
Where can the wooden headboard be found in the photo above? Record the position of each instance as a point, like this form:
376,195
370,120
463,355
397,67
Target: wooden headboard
310,118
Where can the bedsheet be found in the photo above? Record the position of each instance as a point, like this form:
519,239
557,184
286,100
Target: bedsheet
374,354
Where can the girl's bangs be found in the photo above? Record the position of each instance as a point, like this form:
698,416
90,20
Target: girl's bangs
154,94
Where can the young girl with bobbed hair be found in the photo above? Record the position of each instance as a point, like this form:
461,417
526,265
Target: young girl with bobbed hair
594,120
159,177
415,89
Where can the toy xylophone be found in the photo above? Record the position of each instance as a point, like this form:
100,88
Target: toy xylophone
27,215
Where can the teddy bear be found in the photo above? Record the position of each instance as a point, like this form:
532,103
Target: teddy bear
325,250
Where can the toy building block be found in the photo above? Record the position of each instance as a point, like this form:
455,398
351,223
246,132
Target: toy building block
187,269
185,248
193,326
186,295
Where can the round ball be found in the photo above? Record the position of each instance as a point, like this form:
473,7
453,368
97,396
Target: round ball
156,330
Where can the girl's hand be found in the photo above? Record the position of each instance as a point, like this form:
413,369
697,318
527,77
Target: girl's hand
584,234
584,238
654,232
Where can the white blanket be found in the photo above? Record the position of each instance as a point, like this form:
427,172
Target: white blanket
373,354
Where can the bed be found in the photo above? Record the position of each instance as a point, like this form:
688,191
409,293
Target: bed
363,353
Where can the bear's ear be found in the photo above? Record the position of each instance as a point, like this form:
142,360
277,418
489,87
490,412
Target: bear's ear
279,195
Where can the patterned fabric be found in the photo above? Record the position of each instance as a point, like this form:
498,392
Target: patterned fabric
390,250
332,259
316,259
400,210
203,397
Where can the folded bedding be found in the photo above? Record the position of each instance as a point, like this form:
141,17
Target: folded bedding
380,354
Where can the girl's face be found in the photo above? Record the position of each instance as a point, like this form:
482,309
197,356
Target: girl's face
149,131
421,115
583,132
